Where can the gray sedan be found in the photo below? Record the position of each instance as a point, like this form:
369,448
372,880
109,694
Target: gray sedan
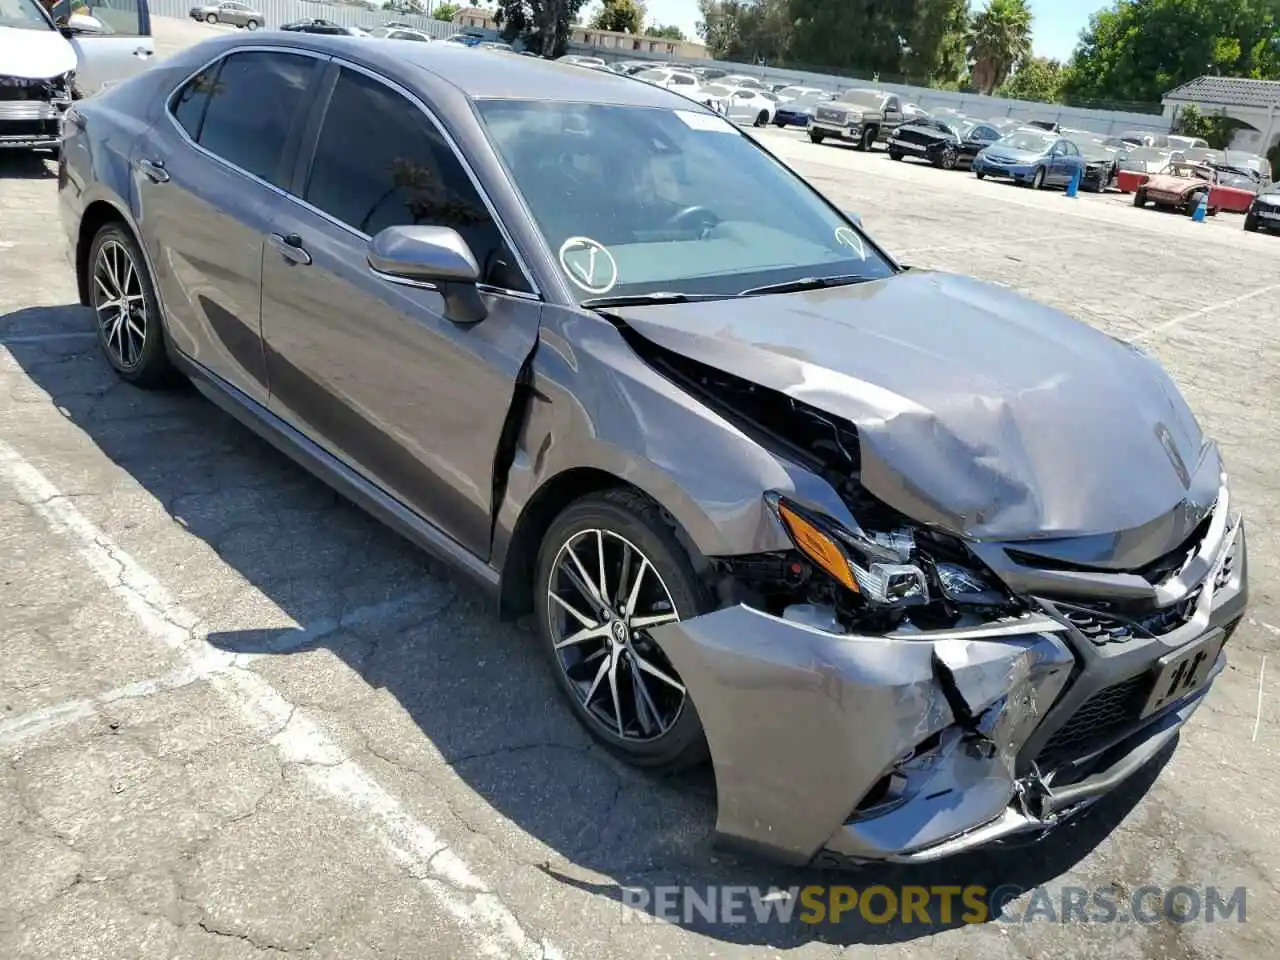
915,563
230,11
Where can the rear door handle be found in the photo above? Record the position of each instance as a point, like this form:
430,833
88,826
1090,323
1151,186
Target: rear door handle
290,247
154,170
142,53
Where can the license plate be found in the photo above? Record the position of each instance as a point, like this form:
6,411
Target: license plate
1184,671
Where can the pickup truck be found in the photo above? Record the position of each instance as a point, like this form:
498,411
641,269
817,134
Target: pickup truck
857,116
49,59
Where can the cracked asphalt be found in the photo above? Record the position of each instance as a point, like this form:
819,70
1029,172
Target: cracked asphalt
239,719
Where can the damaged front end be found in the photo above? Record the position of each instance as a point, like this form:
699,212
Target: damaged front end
889,691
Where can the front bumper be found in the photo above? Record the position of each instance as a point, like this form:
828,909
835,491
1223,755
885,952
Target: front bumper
1020,172
30,124
852,131
913,747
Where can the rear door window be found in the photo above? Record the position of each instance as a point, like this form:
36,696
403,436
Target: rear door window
245,112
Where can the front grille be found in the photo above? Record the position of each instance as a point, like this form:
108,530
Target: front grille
1103,626
1103,717
827,113
1228,567
22,89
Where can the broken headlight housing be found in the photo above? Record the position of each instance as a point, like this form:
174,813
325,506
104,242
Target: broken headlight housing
888,571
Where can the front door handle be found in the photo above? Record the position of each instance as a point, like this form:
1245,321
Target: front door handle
142,53
154,170
290,247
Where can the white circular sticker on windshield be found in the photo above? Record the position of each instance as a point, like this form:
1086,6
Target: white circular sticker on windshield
589,264
846,237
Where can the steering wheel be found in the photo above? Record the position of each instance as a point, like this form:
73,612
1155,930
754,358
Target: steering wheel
696,216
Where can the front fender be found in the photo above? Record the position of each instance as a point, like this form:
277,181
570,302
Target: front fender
596,404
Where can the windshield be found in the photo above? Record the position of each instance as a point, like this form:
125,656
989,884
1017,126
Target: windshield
637,200
809,99
867,99
1031,142
23,15
1187,172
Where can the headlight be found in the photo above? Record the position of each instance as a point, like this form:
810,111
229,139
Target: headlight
875,566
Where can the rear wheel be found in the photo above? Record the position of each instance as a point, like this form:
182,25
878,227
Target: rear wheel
1193,202
817,136
251,25
1251,222
127,312
1140,198
762,118
610,570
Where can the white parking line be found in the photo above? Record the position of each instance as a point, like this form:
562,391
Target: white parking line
296,737
38,722
1203,311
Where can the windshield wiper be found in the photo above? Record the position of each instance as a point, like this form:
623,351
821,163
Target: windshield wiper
804,283
644,299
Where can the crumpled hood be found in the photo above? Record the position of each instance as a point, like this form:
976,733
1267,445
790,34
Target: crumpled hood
34,54
978,411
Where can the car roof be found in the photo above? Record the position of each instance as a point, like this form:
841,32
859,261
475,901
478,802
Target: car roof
514,78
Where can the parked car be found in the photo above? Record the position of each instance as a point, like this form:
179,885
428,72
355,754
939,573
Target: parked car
858,116
577,60
913,111
1100,165
1175,142
43,69
464,39
788,92
1179,186
316,25
1051,126
878,553
1031,157
798,111
945,144
739,104
1264,211
232,12
679,80
496,45
743,80
403,33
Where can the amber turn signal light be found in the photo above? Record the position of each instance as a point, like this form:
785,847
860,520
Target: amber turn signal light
817,546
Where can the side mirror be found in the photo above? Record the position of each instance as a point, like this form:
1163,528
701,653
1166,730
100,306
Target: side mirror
436,255
79,24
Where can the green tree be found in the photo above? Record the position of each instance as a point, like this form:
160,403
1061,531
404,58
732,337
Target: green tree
669,32
1140,49
542,24
745,30
1217,129
445,12
999,40
865,35
1039,78
935,41
622,16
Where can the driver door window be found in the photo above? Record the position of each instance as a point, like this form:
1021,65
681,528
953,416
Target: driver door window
404,173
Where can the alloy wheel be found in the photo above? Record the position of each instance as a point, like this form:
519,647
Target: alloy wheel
119,304
948,158
604,595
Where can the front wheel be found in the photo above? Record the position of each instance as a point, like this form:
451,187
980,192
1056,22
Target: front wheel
1251,222
762,118
867,139
895,154
211,18
947,159
1140,198
123,297
981,175
1037,181
251,25
611,570
816,136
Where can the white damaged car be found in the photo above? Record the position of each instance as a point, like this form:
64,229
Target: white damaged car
46,61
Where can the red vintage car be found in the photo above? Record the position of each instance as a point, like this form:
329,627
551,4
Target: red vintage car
1180,185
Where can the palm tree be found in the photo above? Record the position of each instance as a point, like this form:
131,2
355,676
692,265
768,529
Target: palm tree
999,40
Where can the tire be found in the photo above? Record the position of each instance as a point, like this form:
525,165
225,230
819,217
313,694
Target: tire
251,25
947,159
1251,222
817,136
779,124
211,18
115,262
762,118
1193,202
622,520
867,140
1037,181
1140,198
980,174
895,154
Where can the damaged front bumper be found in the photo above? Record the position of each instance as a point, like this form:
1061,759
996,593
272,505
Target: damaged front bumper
915,746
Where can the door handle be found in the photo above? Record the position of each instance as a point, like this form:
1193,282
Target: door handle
290,247
154,170
142,53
